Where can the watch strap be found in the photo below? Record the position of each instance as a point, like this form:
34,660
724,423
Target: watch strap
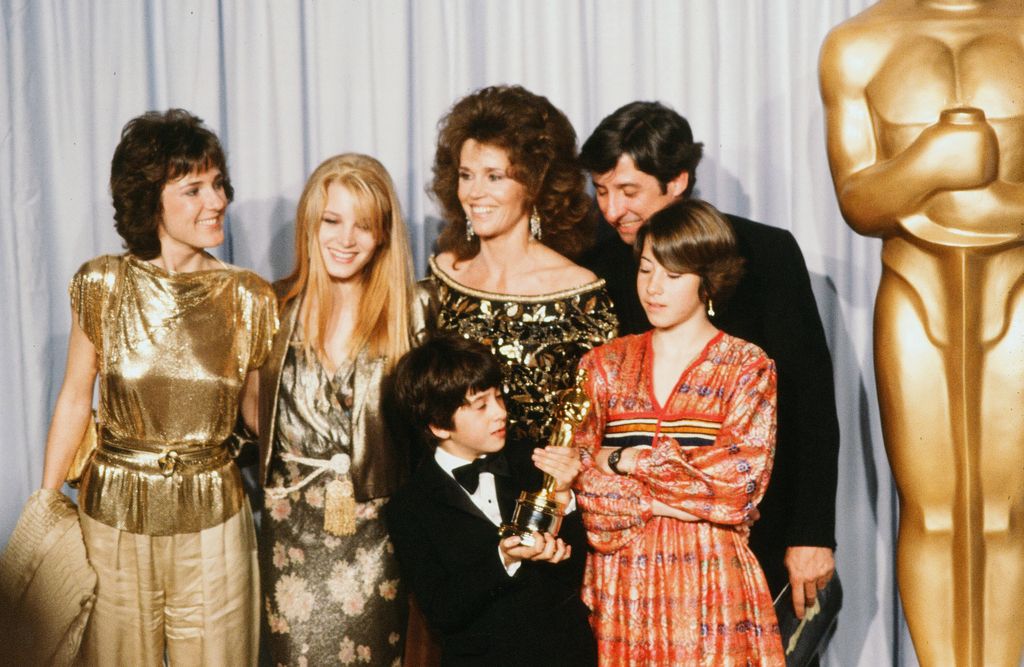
613,460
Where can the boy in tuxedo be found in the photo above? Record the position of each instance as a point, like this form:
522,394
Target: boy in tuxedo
490,601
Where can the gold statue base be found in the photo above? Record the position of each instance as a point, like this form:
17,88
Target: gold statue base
534,513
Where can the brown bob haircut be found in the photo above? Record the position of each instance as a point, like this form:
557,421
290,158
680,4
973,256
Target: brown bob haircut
155,148
691,236
541,147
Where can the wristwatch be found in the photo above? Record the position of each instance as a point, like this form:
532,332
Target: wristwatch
613,461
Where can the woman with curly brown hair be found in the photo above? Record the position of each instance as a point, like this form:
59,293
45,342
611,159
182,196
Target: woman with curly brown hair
507,179
173,334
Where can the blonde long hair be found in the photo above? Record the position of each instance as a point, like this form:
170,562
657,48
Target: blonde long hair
383,320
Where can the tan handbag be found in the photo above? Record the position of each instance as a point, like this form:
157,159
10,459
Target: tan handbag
83,456
47,587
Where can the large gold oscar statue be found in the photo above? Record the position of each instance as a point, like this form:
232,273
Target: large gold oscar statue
924,102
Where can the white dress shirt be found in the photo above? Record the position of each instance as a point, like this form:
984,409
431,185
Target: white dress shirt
485,498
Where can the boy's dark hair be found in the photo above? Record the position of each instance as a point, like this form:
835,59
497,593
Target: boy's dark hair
431,382
657,138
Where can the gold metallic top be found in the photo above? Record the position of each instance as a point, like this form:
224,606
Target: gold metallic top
174,350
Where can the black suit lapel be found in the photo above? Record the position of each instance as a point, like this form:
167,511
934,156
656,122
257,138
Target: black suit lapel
506,497
446,490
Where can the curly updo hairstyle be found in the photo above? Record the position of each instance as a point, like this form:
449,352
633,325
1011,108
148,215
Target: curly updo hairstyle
691,236
155,148
541,147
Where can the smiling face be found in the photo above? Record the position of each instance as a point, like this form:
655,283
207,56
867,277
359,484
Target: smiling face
192,216
347,241
493,201
628,196
478,426
669,298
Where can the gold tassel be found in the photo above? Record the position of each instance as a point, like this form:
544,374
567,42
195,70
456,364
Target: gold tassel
340,508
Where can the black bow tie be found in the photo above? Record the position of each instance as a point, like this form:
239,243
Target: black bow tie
469,475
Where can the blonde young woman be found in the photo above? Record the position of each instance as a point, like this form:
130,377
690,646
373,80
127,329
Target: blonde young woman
331,589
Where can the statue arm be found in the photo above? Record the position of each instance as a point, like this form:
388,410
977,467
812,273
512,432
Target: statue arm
852,149
1000,204
876,191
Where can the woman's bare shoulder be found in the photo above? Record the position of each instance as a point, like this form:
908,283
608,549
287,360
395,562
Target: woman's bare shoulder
561,273
446,262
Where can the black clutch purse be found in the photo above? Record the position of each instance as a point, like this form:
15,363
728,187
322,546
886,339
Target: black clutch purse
804,639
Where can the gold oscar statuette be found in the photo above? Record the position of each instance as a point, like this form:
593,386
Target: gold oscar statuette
924,110
540,512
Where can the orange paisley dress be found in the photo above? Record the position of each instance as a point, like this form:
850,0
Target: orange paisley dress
665,591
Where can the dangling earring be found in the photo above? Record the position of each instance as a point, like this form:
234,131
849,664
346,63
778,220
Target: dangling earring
469,230
711,308
535,230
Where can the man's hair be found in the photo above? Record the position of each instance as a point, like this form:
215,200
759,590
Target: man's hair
156,148
691,236
431,382
657,138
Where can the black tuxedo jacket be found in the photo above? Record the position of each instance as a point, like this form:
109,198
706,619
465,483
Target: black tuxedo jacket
774,308
448,553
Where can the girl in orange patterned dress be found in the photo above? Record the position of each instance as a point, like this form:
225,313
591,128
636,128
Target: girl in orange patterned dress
673,464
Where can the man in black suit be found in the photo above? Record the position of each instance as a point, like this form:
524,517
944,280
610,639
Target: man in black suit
641,158
490,601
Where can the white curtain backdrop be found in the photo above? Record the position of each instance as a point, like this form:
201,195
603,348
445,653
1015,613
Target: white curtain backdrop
287,84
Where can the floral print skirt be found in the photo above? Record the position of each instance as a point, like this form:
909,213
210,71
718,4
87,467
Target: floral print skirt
328,599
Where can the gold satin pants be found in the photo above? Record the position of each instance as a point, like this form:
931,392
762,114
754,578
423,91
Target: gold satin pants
195,595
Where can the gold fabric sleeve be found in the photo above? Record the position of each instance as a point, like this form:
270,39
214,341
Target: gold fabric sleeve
88,290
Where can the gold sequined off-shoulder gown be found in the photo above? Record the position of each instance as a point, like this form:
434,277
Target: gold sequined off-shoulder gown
538,339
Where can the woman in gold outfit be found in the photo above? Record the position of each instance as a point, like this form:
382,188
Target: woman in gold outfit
331,587
506,177
173,334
